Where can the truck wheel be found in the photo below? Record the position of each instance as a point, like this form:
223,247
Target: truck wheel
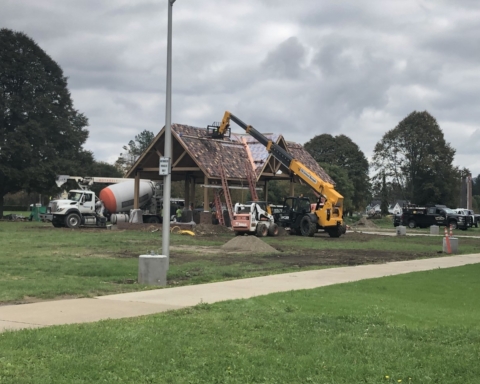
307,227
335,232
273,230
73,220
412,224
153,220
453,224
57,224
262,230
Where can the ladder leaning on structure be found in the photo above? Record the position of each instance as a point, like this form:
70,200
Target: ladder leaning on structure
252,183
226,192
218,206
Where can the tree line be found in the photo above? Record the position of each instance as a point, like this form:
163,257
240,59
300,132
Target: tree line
42,135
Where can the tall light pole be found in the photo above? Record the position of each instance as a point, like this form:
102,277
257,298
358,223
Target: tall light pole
167,182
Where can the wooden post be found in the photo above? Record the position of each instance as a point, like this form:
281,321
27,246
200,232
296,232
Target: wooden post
187,191
265,190
292,188
192,191
205,195
136,191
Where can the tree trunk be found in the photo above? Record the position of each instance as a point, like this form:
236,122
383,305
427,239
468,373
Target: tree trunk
1,207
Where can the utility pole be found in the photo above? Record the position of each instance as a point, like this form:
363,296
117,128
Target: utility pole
167,181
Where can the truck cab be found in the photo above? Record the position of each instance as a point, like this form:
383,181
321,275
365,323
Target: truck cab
76,210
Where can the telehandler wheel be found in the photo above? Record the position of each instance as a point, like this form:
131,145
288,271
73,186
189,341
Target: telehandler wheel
335,232
237,233
307,227
262,230
73,220
273,230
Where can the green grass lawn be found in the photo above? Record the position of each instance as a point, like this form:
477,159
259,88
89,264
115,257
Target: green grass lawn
415,328
38,261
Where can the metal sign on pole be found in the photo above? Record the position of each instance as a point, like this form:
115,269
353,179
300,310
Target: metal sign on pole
164,168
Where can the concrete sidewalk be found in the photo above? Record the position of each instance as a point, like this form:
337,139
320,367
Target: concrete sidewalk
389,233
13,317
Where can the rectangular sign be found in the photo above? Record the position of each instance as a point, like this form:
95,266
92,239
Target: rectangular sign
164,166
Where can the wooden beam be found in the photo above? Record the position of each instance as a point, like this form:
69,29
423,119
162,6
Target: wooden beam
186,169
282,176
177,169
158,153
179,158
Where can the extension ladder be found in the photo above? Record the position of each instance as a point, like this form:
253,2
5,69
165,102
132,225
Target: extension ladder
226,192
252,182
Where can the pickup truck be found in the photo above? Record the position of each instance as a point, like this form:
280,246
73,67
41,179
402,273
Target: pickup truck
423,217
469,212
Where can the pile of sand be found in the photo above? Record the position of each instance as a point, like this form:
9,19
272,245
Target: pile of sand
248,244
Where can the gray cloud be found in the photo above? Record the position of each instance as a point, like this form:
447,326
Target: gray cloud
302,68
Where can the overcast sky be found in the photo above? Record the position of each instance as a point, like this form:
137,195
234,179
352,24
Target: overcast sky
299,68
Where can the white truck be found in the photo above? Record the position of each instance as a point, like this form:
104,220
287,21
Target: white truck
469,212
251,219
82,207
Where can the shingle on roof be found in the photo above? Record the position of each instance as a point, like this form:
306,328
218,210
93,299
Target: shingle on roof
299,153
231,153
211,154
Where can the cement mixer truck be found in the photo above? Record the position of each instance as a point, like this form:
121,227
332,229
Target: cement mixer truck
83,208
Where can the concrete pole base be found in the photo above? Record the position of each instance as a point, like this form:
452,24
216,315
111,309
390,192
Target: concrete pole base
152,269
453,245
434,230
401,230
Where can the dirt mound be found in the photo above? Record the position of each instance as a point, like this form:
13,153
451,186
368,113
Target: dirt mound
364,222
210,229
248,244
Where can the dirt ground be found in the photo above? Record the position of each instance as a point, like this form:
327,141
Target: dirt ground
291,257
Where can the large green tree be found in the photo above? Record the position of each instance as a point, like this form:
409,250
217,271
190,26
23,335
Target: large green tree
415,157
133,150
41,134
341,151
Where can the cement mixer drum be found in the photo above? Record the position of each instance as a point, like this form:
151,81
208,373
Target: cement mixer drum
119,197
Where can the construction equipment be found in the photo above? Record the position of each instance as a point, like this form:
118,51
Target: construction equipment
297,213
82,207
251,219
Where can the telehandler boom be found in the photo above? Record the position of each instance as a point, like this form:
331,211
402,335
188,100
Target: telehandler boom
297,213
